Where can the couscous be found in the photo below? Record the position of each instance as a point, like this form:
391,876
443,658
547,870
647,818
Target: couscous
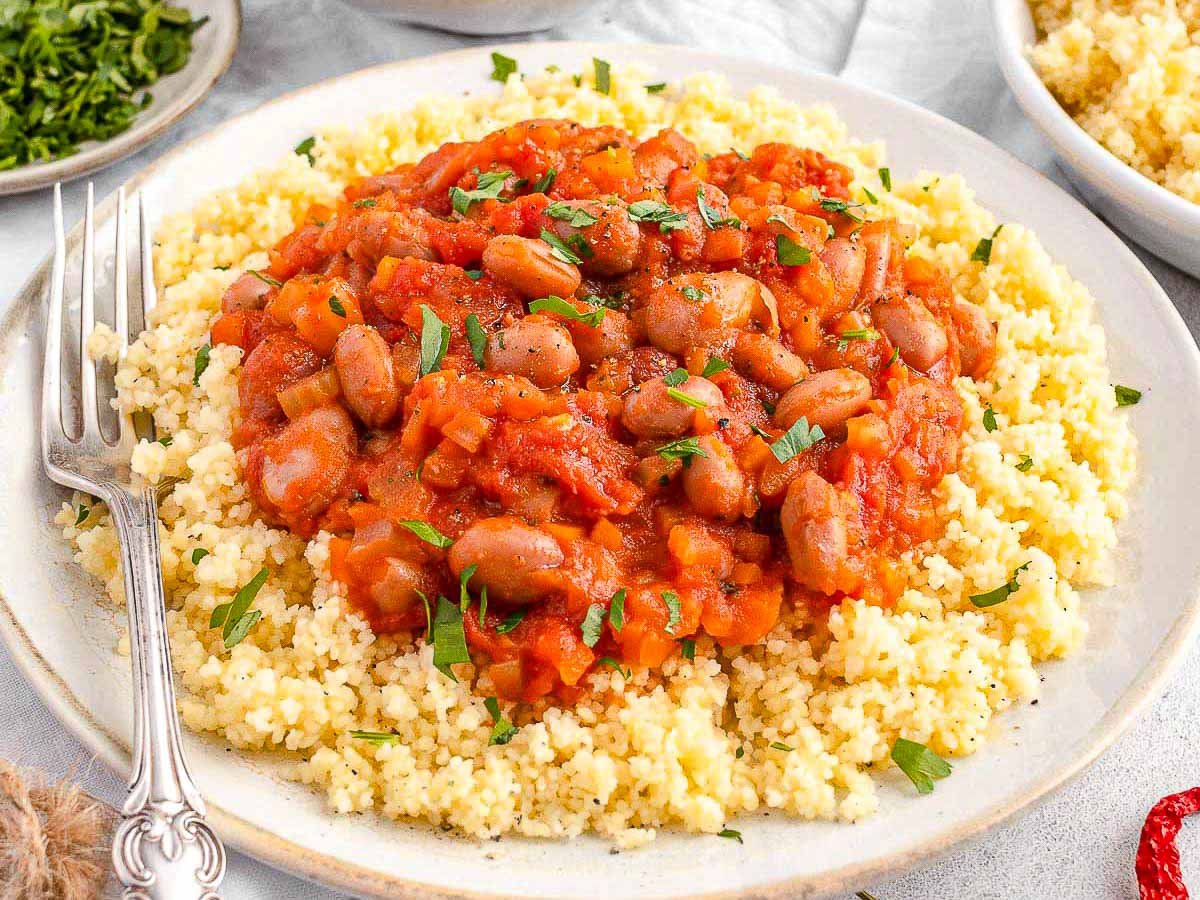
794,721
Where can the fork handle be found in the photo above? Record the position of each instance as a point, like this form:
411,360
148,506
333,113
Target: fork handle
163,848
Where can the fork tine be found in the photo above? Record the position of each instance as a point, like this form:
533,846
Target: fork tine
52,426
149,291
127,434
87,311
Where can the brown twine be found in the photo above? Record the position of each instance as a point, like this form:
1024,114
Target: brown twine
54,838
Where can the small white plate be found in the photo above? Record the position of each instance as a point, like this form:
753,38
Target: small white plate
175,96
63,638
1161,221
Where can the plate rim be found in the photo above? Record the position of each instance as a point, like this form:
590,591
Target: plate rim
329,870
139,134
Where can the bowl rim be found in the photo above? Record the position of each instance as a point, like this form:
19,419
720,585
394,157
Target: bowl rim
295,859
1103,171
144,129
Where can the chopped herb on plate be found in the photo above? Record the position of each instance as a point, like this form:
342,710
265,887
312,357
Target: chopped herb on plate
919,763
1000,594
502,67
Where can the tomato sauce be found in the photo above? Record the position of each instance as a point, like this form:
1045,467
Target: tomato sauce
644,431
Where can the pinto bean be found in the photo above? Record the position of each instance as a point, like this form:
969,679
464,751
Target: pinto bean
247,292
304,465
767,361
535,347
877,248
515,561
394,590
650,412
713,482
814,525
614,238
527,266
976,338
613,335
845,260
364,365
674,310
912,328
826,398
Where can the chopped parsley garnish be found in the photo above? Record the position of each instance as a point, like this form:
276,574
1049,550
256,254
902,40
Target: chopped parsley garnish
870,196
739,752
856,334
652,211
488,186
790,253
687,648
885,178
476,338
712,218
603,75
376,737
502,67
780,745
427,533
615,666
166,440
474,274
796,439
656,88
732,834
673,613
511,621
616,610
265,279
684,449
201,363
692,293
983,250
892,359
574,254
1000,594
1025,464
761,432
544,183
680,396
919,763
75,72
435,339
336,306
567,310
829,204
593,624
449,640
236,618
82,514
989,420
713,366
464,595
503,730
366,203
675,377
575,216
198,554
305,149
1126,396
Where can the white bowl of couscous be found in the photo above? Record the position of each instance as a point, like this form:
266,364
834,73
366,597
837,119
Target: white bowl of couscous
1127,77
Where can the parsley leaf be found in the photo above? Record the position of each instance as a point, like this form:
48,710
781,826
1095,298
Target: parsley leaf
983,250
796,439
265,279
488,186
474,274
435,339
502,67
885,178
336,306
235,618
1025,464
366,203
575,216
675,377
829,204
652,211
919,763
616,610
560,250
1126,396
870,196
856,334
510,622
681,397
687,648
198,554
202,359
732,834
603,75
692,293
989,420
544,183
684,448
427,533
615,666
449,640
780,745
376,737
673,613
82,514
567,310
656,88
713,366
1000,594
503,730
305,149
712,218
593,625
790,253
476,338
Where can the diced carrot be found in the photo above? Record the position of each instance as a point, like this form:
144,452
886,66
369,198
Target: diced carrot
724,245
468,429
610,169
608,535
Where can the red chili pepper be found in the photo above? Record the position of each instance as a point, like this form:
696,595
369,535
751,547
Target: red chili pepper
1157,866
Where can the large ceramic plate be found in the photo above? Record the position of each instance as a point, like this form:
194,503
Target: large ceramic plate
174,97
1139,629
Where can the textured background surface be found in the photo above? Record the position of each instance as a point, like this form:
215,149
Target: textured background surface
1078,844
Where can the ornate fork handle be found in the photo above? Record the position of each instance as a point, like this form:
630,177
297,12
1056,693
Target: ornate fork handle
163,848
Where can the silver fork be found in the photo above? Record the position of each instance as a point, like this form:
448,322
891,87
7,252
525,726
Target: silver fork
163,848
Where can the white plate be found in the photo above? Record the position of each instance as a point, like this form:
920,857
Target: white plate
1139,629
175,96
1161,221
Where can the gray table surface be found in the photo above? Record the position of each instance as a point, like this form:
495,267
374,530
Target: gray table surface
1077,844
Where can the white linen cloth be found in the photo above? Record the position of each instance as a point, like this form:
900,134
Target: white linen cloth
937,53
